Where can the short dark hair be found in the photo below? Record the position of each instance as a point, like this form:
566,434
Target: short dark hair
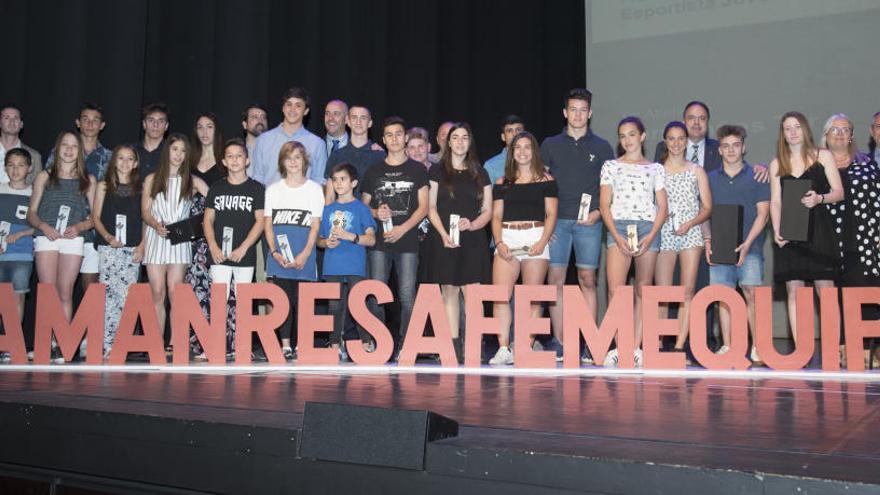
578,94
731,130
296,92
90,105
700,103
358,105
256,104
393,120
235,142
512,120
156,106
13,106
18,152
346,167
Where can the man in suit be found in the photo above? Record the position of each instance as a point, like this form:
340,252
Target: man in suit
701,149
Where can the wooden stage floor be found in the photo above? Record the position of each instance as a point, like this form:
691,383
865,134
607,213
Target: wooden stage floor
815,428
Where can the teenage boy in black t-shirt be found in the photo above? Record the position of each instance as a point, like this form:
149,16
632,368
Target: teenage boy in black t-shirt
396,190
234,222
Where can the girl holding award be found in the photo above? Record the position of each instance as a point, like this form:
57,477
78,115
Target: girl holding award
167,200
292,212
681,239
816,258
632,200
117,218
459,207
59,211
523,217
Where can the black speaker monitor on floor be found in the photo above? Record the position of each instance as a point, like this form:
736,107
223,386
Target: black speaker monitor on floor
371,435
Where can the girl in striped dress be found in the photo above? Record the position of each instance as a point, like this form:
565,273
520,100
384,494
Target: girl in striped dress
167,199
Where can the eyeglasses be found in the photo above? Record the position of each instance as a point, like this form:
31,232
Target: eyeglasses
840,131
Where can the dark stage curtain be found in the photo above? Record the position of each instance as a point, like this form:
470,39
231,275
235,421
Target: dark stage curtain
425,60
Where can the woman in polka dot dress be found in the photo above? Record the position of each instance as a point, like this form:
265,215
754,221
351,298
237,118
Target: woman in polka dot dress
856,218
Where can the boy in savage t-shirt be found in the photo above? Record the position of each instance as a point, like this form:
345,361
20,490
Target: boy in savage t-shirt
347,228
234,223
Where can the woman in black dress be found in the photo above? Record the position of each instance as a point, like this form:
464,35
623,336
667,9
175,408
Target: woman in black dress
207,148
460,200
817,259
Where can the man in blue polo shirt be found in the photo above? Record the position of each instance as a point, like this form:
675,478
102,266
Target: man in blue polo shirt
574,158
735,184
295,107
510,127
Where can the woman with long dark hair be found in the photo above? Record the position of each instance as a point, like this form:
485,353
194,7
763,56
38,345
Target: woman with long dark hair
119,225
681,239
633,203
168,199
459,207
206,164
524,210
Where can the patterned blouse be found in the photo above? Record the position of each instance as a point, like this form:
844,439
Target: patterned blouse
856,217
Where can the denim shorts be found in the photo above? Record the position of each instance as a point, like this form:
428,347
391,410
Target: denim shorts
586,239
643,227
751,273
18,273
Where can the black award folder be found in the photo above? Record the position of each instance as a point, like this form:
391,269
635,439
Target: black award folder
795,224
186,230
727,227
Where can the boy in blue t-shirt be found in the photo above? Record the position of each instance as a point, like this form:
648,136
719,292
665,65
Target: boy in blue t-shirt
16,236
347,228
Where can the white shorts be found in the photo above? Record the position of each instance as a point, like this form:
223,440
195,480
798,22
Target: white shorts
90,259
517,239
62,245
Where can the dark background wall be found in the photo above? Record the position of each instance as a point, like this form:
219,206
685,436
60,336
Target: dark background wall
425,60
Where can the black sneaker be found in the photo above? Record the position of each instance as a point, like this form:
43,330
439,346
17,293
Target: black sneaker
5,357
258,356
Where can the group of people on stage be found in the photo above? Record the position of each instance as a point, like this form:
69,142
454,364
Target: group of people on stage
287,206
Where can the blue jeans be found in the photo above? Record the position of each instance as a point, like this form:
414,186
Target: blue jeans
406,266
751,273
18,273
586,239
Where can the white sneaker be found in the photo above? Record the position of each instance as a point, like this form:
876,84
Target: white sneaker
5,357
369,346
611,359
30,355
586,359
637,358
502,357
723,350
